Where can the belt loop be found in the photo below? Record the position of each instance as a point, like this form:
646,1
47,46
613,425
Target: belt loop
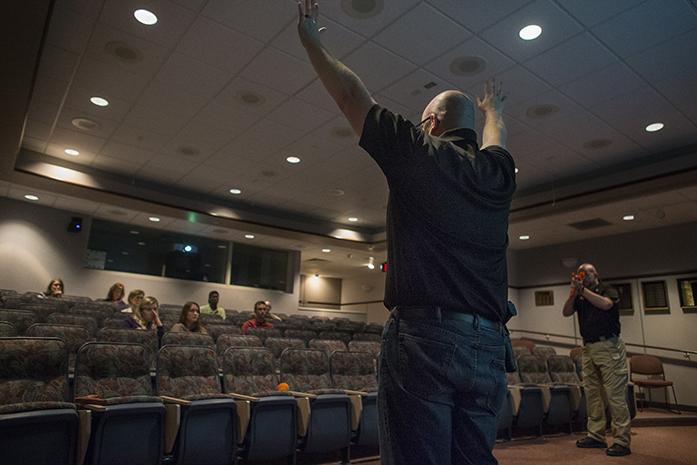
439,314
475,321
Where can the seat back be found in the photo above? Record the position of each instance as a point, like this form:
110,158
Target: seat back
278,344
371,347
7,329
328,345
521,342
21,319
147,339
188,339
305,369
354,371
543,352
225,341
87,322
533,370
304,334
262,333
374,328
73,336
249,370
116,322
187,372
562,369
372,337
99,313
108,369
33,370
520,350
646,365
218,329
335,336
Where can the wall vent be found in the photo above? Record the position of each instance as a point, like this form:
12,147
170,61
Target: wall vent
590,224
544,298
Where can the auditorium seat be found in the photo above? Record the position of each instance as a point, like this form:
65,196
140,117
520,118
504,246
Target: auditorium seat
335,335
112,380
329,425
218,329
350,326
520,350
147,339
99,312
267,418
87,322
188,378
373,328
558,398
21,319
355,372
367,337
7,329
527,404
226,341
562,370
211,319
188,339
72,335
37,423
543,352
322,323
304,334
116,322
278,344
262,333
328,345
371,347
522,342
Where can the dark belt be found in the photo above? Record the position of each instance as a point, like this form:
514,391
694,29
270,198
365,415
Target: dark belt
443,314
591,340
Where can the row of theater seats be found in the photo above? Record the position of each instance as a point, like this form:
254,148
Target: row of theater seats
192,411
546,391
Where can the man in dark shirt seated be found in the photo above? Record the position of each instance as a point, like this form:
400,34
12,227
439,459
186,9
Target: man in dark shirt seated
604,359
442,378
261,311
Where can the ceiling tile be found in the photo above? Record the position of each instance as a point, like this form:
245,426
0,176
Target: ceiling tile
317,95
104,130
173,20
611,82
261,20
556,25
400,36
477,14
560,64
126,153
236,95
670,58
69,30
645,25
411,91
115,165
279,71
519,85
262,140
49,90
57,63
62,139
181,74
364,23
393,106
197,142
554,98
79,100
495,62
31,143
218,45
681,91
109,81
18,193
37,129
591,12
73,204
139,137
297,114
376,66
42,112
336,38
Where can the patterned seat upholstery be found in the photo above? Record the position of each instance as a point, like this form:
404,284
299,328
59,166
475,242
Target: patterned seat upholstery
188,339
37,424
354,371
211,319
218,329
520,351
250,371
7,329
73,336
367,337
304,334
522,342
278,344
533,370
115,322
264,333
225,341
374,328
88,322
335,335
328,345
562,369
306,370
543,352
188,372
21,319
322,324
99,313
365,346
147,339
558,399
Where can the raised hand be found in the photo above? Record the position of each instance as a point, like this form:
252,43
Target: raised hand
493,97
308,15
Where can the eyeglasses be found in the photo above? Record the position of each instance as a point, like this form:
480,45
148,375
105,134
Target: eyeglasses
423,122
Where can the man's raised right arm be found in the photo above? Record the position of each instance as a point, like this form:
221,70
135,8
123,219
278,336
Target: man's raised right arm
491,105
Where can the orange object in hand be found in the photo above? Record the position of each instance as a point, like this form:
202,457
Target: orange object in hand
581,275
282,386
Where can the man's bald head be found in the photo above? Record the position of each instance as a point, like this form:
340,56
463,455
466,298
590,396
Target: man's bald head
449,110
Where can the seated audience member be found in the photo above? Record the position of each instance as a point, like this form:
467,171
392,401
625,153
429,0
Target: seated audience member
212,308
189,320
261,311
146,317
55,288
135,297
116,294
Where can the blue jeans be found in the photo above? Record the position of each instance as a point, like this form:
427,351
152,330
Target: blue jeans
442,382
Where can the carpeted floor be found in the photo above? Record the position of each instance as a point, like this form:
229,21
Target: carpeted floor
675,445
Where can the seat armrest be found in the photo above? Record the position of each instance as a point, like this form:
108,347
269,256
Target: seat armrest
90,399
243,413
174,400
171,426
351,392
237,396
303,407
83,435
302,394
356,410
93,407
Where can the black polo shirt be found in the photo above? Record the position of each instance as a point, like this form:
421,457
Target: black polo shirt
447,216
595,322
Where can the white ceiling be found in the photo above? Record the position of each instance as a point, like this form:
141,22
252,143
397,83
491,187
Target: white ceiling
611,68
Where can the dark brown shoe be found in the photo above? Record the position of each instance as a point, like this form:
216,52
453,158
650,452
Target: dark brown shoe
590,443
618,450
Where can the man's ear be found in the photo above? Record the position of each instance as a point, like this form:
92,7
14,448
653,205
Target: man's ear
435,125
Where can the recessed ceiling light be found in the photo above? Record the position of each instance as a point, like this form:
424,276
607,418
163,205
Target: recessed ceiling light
516,171
524,238
141,243
235,191
352,219
541,111
133,231
326,250
124,253
145,17
72,152
530,32
85,124
293,160
99,101
628,217
188,248
154,219
221,246
249,236
467,66
653,127
31,197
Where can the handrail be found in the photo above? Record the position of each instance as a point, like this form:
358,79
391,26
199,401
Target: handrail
686,353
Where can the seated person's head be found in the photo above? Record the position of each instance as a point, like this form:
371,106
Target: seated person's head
213,298
116,292
147,311
190,316
135,297
261,311
55,288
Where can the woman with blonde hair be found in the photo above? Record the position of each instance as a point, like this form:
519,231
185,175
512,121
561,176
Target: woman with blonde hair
190,320
135,297
145,317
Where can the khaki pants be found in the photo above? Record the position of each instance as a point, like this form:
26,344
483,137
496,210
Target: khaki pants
605,377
